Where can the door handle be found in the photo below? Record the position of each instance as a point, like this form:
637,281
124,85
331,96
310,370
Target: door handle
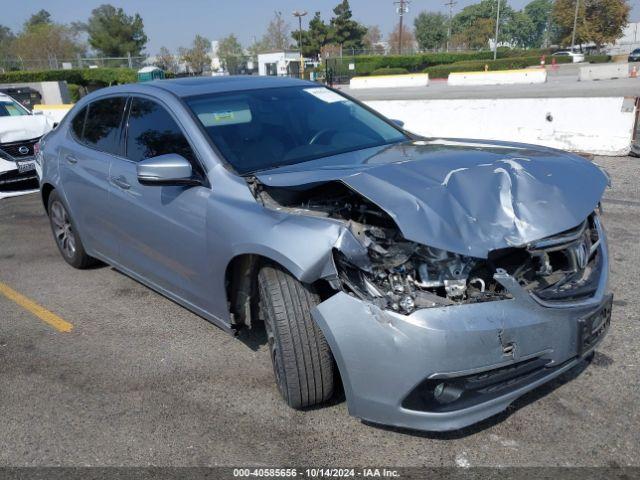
120,182
71,159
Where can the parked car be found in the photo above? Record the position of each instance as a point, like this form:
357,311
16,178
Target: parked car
576,56
19,133
441,279
635,55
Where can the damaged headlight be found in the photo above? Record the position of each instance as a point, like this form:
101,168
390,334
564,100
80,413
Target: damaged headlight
404,276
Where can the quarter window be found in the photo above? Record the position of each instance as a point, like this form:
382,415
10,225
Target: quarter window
151,131
102,127
77,124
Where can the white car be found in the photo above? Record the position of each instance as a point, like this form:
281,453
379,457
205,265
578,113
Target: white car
20,130
577,56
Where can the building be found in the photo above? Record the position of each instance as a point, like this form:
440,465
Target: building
281,64
629,41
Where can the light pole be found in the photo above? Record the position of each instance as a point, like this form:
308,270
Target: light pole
300,14
402,8
450,4
495,46
575,24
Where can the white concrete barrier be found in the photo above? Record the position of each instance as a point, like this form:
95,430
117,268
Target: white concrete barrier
498,77
390,81
601,126
54,112
605,71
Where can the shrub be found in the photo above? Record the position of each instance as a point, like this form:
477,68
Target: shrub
83,77
597,58
442,71
390,71
74,92
367,64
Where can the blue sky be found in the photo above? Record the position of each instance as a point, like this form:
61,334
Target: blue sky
174,23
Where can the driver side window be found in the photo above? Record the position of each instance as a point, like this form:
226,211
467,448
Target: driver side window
151,131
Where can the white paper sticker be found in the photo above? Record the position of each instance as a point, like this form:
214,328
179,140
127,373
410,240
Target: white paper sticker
326,95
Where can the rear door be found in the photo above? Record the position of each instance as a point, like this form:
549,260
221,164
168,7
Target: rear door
85,161
161,229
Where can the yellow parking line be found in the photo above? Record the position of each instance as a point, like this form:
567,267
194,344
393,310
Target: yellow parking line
40,312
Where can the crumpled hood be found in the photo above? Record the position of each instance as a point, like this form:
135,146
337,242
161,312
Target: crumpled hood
24,127
465,196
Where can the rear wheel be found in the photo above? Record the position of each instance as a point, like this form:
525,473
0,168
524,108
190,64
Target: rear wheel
65,234
302,361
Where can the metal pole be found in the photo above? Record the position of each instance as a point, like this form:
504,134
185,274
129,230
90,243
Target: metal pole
300,14
400,31
575,24
450,3
495,46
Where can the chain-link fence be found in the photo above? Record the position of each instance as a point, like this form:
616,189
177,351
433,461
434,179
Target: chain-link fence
54,63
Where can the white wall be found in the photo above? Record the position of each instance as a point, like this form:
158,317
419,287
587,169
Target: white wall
390,81
498,77
591,125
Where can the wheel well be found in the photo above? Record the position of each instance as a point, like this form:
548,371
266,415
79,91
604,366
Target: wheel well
241,284
47,188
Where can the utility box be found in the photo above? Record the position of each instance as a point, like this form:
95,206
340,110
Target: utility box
147,74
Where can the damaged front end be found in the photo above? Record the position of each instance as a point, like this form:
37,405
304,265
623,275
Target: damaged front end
403,276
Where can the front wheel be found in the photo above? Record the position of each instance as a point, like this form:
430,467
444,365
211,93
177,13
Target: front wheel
66,235
302,361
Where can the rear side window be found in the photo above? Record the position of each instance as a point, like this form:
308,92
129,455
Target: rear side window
77,124
152,131
102,127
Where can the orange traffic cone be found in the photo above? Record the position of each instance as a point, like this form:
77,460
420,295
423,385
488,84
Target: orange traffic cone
634,72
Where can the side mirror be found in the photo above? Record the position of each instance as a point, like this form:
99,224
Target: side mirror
169,169
400,123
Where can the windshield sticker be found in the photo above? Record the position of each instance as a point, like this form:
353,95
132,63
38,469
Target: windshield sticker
226,114
326,95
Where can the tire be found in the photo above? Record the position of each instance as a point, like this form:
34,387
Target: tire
302,361
66,235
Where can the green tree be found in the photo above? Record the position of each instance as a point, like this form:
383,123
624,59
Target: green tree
539,11
6,39
430,30
39,18
231,54
44,43
599,21
475,24
197,57
345,31
520,31
113,33
314,38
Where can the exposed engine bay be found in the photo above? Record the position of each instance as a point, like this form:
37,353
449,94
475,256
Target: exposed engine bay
403,276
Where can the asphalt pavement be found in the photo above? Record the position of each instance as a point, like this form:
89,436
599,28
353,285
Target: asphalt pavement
138,380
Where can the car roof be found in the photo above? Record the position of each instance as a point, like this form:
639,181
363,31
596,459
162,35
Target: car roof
186,87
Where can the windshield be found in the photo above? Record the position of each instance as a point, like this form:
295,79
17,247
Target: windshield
9,108
262,129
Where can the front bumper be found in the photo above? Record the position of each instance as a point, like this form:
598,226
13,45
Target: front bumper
385,358
13,182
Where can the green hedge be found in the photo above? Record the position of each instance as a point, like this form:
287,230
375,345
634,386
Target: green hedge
82,77
443,71
597,58
367,64
390,71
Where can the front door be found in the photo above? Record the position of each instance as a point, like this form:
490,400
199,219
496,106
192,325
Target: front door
161,229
